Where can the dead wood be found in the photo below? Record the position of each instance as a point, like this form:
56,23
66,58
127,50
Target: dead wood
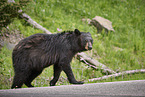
32,22
94,63
118,74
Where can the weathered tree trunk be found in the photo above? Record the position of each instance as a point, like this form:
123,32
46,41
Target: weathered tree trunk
118,74
32,22
94,63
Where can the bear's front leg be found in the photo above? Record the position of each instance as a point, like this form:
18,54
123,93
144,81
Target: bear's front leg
67,69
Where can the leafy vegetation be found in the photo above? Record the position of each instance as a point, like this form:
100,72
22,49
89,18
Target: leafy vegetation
121,50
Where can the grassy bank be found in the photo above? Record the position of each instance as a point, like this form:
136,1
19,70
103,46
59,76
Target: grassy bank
122,50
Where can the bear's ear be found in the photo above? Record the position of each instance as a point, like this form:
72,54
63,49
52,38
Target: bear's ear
77,32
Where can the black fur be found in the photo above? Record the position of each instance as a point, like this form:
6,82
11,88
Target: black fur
32,54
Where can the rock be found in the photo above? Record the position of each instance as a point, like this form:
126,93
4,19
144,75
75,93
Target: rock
10,39
100,23
8,45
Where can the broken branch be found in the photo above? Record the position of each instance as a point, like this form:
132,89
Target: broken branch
94,63
118,74
32,22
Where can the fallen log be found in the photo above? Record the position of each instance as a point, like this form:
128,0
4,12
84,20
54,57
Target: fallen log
28,19
94,63
118,74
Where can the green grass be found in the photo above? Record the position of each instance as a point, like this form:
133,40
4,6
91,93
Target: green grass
121,50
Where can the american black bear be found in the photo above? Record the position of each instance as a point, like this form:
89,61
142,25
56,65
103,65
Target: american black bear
34,53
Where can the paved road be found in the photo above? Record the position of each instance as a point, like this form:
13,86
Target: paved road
109,89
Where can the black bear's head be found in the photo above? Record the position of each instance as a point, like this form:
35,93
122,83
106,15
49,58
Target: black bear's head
85,40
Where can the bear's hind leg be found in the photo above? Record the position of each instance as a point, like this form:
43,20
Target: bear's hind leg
31,77
18,80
